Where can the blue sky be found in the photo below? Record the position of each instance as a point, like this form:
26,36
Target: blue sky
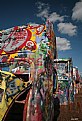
66,16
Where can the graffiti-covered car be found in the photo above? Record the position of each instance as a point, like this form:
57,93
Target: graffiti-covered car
28,52
10,87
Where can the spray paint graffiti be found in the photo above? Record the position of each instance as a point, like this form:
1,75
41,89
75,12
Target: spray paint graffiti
29,50
10,86
15,40
65,85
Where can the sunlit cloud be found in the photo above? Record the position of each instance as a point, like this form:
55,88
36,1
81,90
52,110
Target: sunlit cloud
77,11
63,44
44,13
53,17
43,10
67,28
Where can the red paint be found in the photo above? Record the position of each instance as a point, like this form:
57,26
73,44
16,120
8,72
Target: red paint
37,27
17,36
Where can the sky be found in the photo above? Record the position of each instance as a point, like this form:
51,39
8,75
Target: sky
66,16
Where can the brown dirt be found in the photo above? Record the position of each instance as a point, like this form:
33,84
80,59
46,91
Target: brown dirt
73,111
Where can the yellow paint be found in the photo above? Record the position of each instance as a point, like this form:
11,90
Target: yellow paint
18,82
8,73
33,37
13,55
3,52
3,105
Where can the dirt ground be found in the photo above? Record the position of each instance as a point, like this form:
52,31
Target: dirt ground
72,112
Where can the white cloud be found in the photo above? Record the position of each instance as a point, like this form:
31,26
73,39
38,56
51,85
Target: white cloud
63,44
77,11
41,6
53,17
44,12
67,28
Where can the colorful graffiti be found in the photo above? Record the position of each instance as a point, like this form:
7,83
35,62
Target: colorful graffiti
29,50
77,79
16,38
65,84
10,87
